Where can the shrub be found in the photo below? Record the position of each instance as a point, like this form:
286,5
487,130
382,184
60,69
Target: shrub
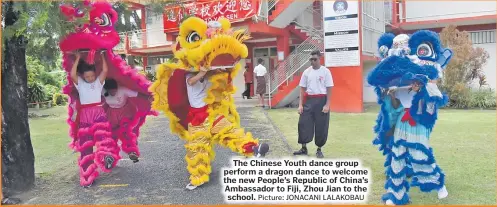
50,89
460,96
36,92
59,99
151,76
483,99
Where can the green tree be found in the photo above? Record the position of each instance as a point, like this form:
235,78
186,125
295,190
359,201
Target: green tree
465,67
42,73
128,19
34,29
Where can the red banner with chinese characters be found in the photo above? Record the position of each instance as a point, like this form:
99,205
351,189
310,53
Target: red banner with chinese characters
209,10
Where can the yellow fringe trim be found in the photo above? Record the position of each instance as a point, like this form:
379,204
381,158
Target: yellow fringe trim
201,139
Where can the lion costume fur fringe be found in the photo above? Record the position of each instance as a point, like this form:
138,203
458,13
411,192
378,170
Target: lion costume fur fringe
190,56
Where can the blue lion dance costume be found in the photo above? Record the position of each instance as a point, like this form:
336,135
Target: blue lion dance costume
405,82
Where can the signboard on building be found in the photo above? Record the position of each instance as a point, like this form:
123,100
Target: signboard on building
234,10
149,69
341,33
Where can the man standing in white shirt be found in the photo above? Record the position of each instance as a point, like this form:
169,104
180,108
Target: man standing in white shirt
314,105
260,72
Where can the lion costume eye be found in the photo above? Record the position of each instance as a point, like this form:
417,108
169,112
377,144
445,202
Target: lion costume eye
105,21
193,37
424,50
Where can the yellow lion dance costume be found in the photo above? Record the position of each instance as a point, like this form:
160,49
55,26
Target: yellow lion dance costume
215,47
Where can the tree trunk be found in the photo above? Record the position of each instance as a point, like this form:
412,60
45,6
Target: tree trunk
17,150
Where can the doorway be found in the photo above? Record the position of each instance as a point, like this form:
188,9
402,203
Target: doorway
269,57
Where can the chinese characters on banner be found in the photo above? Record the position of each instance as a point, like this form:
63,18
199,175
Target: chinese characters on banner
234,10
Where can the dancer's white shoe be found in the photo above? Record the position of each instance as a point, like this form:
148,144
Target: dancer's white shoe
191,186
443,193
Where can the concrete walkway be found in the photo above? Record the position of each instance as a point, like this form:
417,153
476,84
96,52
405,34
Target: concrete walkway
160,177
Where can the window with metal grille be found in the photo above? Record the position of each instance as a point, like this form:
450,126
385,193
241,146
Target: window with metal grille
482,37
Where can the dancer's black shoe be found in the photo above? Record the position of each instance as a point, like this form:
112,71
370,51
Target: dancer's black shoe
133,157
319,154
109,162
261,150
302,151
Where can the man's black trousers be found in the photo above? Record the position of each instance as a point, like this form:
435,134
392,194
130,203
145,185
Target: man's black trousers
313,121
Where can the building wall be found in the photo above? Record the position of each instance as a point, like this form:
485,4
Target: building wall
434,10
155,29
239,80
368,94
373,25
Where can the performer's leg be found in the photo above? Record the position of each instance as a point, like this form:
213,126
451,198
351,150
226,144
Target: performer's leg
236,139
199,154
128,137
305,127
87,168
124,129
107,154
396,185
426,173
321,125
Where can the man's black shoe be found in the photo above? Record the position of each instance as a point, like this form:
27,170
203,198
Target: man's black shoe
261,150
302,151
319,154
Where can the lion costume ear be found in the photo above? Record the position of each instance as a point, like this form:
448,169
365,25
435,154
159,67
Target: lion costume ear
444,59
225,23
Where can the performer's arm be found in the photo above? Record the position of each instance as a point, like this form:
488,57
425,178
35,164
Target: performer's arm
301,101
194,79
74,69
105,69
328,96
395,101
303,88
329,85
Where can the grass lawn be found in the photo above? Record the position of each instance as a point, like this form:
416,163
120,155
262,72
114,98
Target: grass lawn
464,144
50,138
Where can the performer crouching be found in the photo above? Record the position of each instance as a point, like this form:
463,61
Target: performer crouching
120,113
200,146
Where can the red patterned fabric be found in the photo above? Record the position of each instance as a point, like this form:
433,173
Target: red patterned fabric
178,96
197,116
407,117
217,120
249,147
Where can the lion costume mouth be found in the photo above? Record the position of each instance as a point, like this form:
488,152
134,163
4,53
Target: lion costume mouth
214,45
223,61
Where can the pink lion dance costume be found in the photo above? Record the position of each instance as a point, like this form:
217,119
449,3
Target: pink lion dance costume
99,35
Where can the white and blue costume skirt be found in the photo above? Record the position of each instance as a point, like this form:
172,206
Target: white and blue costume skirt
410,151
